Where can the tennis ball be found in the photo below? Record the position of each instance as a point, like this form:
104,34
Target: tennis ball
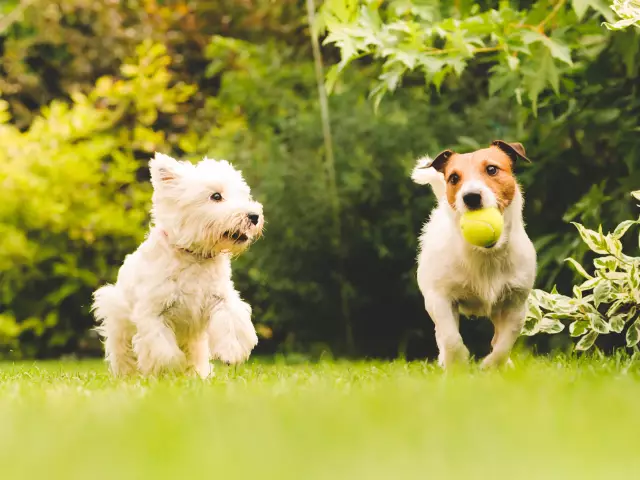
483,227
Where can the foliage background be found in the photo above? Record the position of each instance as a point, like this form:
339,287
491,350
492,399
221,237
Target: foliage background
90,89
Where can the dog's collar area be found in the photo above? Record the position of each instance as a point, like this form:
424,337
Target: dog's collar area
203,256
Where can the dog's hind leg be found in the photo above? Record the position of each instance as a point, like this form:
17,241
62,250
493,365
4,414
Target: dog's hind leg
446,319
111,311
508,325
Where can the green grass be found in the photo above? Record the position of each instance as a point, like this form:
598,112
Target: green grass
546,419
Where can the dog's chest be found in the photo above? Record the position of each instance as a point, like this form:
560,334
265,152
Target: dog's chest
196,293
480,284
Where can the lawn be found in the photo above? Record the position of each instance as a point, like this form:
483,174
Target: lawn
548,418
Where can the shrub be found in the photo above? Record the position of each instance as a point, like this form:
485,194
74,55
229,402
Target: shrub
607,300
72,205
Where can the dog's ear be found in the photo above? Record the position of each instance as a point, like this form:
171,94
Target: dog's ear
513,150
163,169
440,161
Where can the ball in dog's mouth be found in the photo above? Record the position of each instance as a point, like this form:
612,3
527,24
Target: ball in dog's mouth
237,237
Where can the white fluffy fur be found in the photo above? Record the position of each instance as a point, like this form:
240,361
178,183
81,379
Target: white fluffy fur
174,305
455,276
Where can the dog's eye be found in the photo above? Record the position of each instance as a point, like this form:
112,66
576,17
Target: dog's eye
492,170
454,178
216,197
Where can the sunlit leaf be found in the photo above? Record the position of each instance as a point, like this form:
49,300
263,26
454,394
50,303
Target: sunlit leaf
587,341
578,328
578,268
633,334
617,323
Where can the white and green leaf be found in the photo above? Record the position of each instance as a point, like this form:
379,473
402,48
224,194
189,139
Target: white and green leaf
587,341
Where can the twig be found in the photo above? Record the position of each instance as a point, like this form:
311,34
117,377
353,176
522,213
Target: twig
472,50
331,173
14,15
552,14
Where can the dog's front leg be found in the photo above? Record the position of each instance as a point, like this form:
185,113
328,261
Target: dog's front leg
508,323
231,333
446,319
198,355
154,343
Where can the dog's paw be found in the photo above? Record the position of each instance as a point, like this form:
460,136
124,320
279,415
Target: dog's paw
453,353
157,360
496,361
123,369
231,352
203,370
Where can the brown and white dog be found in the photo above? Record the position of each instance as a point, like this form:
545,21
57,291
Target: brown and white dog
457,277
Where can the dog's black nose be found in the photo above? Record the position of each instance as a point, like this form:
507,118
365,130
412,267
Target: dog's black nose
472,200
254,218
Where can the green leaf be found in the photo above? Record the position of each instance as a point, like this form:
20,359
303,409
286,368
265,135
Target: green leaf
392,75
614,246
601,292
542,299
551,325
587,341
534,312
621,24
615,307
622,228
540,73
331,77
634,277
590,284
513,62
578,328
578,268
598,324
558,50
617,323
608,263
633,334
630,314
581,7
595,241
577,293
531,327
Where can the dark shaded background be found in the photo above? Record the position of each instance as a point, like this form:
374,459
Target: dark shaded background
256,104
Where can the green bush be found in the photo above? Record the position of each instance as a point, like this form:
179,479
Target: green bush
75,146
614,294
72,205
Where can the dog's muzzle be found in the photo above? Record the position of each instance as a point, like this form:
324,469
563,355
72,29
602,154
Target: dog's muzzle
472,200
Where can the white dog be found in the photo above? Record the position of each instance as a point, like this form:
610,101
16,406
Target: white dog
174,305
455,276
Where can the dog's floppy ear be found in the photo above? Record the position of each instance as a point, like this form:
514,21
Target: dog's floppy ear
513,150
163,169
440,161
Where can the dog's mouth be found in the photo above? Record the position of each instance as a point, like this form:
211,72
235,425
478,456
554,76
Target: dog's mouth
237,237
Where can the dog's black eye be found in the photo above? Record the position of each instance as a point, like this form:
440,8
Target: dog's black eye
492,170
216,196
454,178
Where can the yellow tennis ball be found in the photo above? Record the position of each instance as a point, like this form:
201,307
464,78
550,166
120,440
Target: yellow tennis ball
482,227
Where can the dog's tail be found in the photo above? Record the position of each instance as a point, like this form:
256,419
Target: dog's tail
109,308
423,174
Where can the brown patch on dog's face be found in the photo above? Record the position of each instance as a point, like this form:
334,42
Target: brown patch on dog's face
491,166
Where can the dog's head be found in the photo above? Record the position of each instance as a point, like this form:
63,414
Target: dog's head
481,179
205,208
